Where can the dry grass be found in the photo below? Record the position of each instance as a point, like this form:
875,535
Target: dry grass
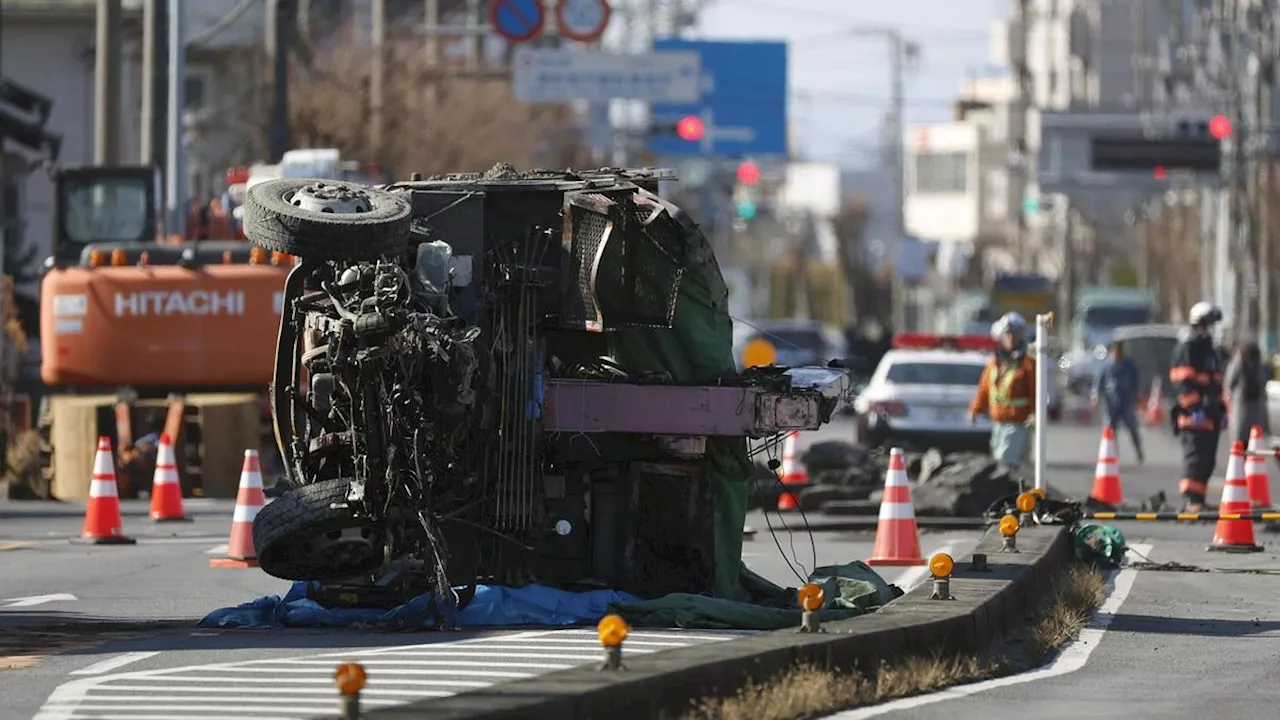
23,460
812,691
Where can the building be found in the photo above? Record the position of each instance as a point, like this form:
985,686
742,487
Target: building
49,46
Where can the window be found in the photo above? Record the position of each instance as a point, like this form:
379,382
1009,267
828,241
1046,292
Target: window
935,374
942,173
107,211
1114,317
195,90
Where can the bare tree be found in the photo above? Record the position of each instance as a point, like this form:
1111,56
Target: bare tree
475,124
866,290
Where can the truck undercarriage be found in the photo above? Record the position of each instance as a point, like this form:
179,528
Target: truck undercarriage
504,379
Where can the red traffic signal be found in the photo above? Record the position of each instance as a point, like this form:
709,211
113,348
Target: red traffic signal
1220,127
748,173
690,128
1160,173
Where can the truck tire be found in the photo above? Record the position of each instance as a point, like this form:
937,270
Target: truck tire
326,219
310,534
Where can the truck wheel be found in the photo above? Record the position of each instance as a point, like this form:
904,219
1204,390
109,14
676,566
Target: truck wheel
311,534
326,219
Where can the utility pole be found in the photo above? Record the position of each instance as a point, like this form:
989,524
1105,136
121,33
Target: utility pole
378,78
1266,99
1019,159
281,22
176,175
475,9
106,95
898,294
152,139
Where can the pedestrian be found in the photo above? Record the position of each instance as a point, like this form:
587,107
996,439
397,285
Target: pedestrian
1197,418
1117,383
1245,383
1006,392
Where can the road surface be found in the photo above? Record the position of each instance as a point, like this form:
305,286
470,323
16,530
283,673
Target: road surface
179,671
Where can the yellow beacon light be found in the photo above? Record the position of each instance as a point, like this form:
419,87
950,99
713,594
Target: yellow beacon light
350,678
1027,502
612,630
810,597
941,565
1008,525
1039,493
759,353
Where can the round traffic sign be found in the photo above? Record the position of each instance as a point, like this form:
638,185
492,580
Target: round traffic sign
517,20
582,20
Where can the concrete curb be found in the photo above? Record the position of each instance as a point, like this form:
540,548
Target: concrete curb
987,605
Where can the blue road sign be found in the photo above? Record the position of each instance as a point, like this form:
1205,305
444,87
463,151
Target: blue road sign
743,105
517,20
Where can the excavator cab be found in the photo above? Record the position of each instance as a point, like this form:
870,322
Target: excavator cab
103,204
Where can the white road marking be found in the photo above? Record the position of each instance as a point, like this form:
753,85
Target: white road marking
912,578
1072,658
217,550
35,600
292,688
114,663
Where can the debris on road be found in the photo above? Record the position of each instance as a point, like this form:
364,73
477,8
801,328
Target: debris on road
847,478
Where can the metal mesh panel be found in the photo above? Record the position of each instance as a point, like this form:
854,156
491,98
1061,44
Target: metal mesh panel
588,230
652,268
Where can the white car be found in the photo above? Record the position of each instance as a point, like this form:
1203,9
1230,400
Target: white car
919,396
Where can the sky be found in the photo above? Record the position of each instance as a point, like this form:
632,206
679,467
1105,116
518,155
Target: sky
840,84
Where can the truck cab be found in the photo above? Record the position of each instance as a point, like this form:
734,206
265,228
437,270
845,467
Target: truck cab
103,204
1099,311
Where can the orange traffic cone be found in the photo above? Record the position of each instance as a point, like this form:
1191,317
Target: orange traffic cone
103,524
249,500
1234,535
166,488
1154,415
793,472
1106,478
897,537
1255,470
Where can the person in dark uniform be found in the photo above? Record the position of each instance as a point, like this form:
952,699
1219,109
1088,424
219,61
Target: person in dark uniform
1199,417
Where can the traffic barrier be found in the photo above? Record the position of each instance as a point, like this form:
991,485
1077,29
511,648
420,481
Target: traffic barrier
612,630
1106,477
793,472
166,487
249,500
103,524
897,536
1255,516
1234,535
1255,471
350,679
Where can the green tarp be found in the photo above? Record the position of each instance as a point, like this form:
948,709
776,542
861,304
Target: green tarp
697,348
849,590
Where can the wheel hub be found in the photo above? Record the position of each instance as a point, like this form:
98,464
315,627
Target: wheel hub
323,197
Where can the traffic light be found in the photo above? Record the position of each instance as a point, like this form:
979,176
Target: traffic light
689,128
1220,127
748,173
1142,154
746,210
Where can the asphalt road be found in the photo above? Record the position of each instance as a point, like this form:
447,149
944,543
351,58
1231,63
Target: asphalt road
178,671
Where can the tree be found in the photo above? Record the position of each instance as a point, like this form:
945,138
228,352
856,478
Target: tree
866,290
436,122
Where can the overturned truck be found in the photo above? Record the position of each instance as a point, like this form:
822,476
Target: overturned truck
509,378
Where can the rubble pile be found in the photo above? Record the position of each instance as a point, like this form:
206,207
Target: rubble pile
849,478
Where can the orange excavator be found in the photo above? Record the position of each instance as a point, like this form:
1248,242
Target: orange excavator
139,336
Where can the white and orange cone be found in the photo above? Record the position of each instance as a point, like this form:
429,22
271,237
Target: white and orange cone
1235,535
1106,478
166,487
897,536
249,500
1255,470
1154,415
793,472
103,524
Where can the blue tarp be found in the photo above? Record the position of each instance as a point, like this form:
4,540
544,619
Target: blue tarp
492,606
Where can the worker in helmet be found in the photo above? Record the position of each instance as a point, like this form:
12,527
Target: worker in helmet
1007,391
1199,416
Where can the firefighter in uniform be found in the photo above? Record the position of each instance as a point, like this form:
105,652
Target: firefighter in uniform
1199,416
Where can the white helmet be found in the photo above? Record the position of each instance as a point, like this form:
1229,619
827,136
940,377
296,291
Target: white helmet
1008,323
1204,313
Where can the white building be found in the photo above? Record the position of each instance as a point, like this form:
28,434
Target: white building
957,190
